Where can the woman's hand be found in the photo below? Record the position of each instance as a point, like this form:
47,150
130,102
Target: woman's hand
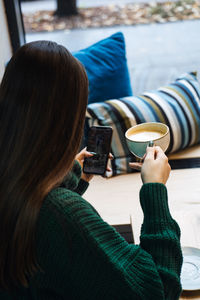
155,167
80,158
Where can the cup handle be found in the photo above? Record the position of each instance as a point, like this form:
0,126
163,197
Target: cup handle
151,144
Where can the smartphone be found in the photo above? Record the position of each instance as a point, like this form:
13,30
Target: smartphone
99,142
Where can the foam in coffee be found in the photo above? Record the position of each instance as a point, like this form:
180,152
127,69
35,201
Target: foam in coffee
145,135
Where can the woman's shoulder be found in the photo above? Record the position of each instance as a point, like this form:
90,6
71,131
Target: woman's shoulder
62,203
64,213
58,214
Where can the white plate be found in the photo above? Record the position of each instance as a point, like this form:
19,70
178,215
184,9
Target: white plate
190,273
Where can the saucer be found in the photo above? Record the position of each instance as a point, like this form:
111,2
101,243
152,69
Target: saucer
190,273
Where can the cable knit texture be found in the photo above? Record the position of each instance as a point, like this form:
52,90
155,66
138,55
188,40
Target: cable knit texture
83,258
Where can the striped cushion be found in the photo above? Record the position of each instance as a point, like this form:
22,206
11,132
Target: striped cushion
177,105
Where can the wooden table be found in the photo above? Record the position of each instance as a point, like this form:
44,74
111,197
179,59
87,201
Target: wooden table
117,201
190,295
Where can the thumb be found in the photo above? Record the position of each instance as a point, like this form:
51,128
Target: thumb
150,153
159,153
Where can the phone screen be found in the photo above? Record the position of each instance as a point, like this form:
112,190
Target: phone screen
99,141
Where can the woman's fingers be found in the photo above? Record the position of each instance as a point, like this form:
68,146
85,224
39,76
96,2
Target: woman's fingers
150,153
84,153
159,153
154,153
135,165
155,167
108,169
110,156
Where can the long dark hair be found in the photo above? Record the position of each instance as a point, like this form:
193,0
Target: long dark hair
43,98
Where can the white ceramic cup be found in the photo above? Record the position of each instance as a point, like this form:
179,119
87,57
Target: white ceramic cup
139,137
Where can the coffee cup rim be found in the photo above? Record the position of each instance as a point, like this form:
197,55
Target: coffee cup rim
149,123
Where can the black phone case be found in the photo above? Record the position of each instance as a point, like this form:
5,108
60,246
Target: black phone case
90,165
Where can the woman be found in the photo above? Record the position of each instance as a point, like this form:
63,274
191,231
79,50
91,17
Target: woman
53,244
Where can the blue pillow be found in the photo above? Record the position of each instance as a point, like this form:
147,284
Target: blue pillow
106,66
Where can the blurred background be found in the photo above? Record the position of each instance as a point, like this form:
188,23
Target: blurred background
162,38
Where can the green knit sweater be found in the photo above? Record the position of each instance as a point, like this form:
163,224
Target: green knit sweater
82,257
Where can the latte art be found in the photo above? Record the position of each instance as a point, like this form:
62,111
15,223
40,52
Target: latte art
144,136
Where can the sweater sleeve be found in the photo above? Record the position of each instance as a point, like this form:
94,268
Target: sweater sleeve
73,181
103,265
160,236
82,187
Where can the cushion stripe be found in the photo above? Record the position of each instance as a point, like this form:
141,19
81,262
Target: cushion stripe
156,109
147,109
184,121
190,96
121,128
185,108
126,115
192,89
193,115
161,110
143,110
138,115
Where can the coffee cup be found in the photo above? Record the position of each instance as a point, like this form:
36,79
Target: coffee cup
139,137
